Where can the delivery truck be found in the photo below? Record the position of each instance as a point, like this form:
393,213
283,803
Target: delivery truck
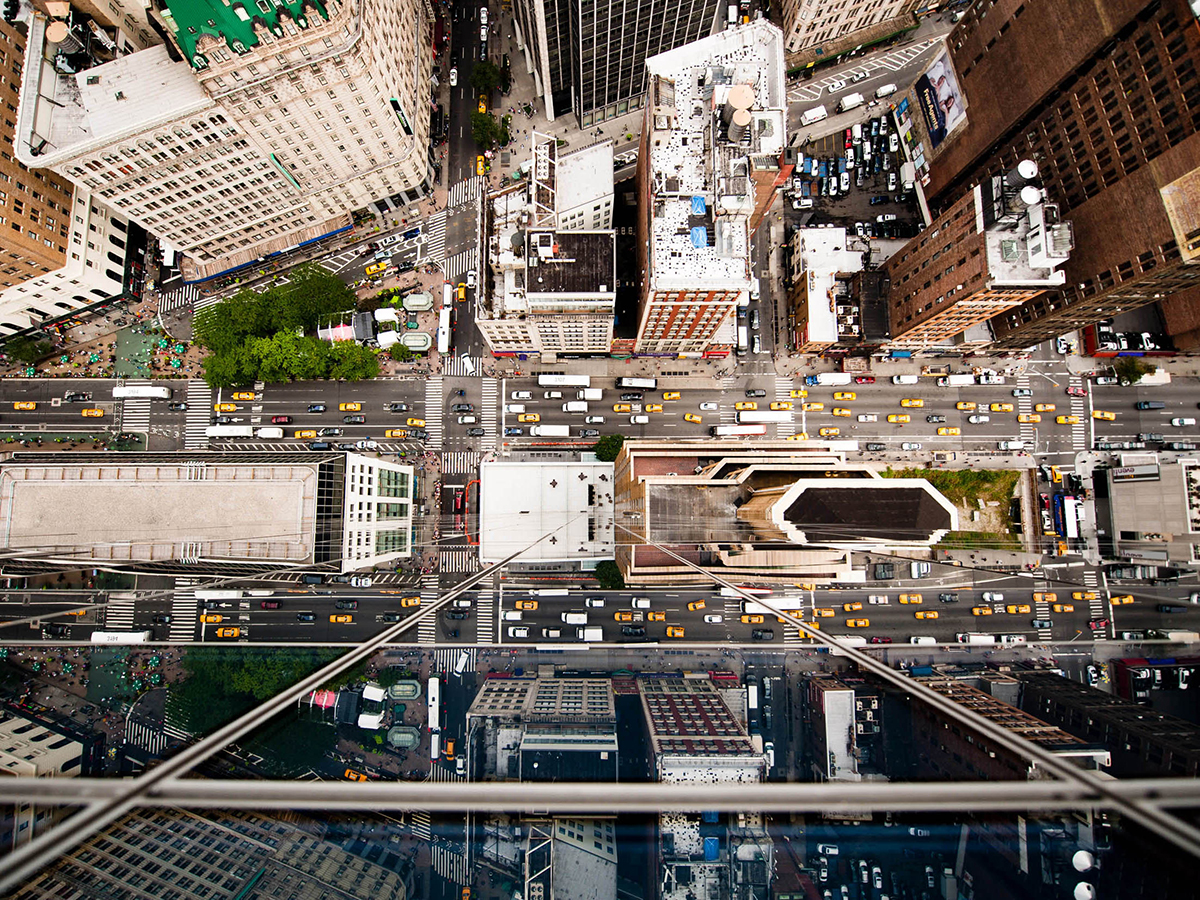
575,406
832,379
550,430
955,380
971,637
814,115
590,633
850,101
589,394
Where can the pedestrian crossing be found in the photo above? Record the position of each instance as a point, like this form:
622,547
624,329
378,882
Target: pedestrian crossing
145,737
461,366
185,609
450,864
459,264
783,392
805,92
338,261
433,247
465,191
1079,433
460,462
489,407
459,560
419,822
433,412
427,625
1026,431
205,302
118,614
445,660
199,401
135,414
485,616
177,298
1096,607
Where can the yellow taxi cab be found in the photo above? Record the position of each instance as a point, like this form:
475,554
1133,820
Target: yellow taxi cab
351,775
224,407
376,268
745,405
341,620
461,290
415,423
482,103
912,403
656,617
816,626
780,405
408,602
926,614
981,610
229,632
1104,415
653,407
824,612
799,436
479,165
305,435
851,607
76,612
527,604
899,417
623,616
752,620
674,631
212,619
1001,407
965,406
396,433
1083,595
671,395
1046,597
1056,474
531,417
840,411
243,395
1067,420
812,407
1122,600
1063,607
1044,407
911,598
350,407
859,623
845,395
29,404
1015,609
798,394
829,432
92,413
1029,418
692,417
621,407
952,430
695,605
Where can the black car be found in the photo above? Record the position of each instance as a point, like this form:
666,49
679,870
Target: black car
305,617
589,432
350,446
763,634
879,198
77,396
755,392
222,420
316,407
935,419
312,579
397,407
347,604
330,432
462,408
354,420
876,446
318,445
633,630
632,396
161,620
1149,436
456,614
513,431
475,432
339,579
177,406
56,629
948,597
391,617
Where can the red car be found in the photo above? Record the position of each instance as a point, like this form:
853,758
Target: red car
1076,392
849,138
864,379
281,420
881,640
270,604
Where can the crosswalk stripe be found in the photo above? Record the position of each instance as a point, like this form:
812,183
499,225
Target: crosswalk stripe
464,192
449,864
177,298
458,560
461,366
135,414
118,613
427,626
199,401
490,407
434,247
433,412
458,264
420,825
460,462
485,616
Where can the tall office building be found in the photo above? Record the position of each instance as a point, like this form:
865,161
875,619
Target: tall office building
996,248
1105,96
712,156
588,56
247,131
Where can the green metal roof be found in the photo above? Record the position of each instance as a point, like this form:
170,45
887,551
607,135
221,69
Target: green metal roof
234,21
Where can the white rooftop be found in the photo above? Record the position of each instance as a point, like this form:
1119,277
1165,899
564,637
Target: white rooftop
585,176
825,253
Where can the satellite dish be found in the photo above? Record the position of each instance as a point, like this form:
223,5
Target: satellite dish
1082,860
1084,891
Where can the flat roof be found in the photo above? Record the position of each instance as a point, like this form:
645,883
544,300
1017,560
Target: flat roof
157,511
825,253
584,176
233,22
573,263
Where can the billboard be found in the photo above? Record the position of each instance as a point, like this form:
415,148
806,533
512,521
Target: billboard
940,99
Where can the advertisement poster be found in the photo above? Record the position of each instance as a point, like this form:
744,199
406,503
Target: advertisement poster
940,100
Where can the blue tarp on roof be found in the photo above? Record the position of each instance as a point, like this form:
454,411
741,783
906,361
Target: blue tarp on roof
699,236
698,206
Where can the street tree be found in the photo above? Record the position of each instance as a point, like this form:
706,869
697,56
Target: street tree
1131,369
484,129
485,77
608,447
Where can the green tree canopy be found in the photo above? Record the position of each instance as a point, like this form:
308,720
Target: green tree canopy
27,350
608,447
485,76
484,129
609,576
1131,369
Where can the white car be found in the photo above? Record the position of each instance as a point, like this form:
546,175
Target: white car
483,33
363,581
639,420
366,445
834,86
594,420
518,631
908,446
978,420
483,15
714,619
594,602
868,417
878,599
708,406
453,76
472,279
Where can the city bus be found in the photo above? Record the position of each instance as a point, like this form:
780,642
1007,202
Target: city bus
447,295
644,384
764,416
443,340
435,705
1071,510
229,431
736,430
552,381
120,637
152,391
219,594
551,592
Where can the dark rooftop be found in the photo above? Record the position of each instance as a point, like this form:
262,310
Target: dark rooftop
836,514
570,262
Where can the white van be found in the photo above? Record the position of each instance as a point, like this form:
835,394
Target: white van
514,407
993,597
467,420
754,288
1011,445
574,618
512,615
922,639
733,14
905,379
884,90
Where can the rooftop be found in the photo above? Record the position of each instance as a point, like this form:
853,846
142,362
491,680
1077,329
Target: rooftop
234,22
825,255
585,176
573,263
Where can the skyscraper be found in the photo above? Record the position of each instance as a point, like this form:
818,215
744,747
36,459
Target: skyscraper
244,133
1105,97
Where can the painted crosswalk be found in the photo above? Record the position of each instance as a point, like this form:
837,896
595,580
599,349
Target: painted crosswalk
1041,611
459,264
335,262
485,616
177,298
427,626
185,609
135,414
461,366
489,408
445,660
464,192
199,401
1026,431
783,393
433,412
458,559
450,864
460,462
1096,606
118,614
420,825
1079,432
432,247
145,737
877,65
